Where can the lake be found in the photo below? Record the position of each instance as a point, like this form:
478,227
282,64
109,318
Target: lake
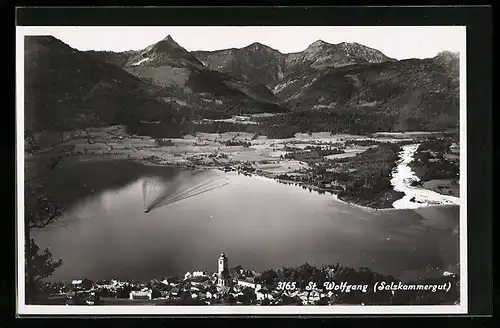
257,222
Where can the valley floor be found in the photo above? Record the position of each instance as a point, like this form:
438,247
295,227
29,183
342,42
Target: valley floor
231,151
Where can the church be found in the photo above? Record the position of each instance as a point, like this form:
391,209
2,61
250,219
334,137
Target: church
223,278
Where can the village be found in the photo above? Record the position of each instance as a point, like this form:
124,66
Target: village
235,286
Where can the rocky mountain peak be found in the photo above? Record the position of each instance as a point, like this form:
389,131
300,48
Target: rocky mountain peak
256,46
168,45
318,43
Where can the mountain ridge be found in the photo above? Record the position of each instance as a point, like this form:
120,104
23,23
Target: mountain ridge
328,77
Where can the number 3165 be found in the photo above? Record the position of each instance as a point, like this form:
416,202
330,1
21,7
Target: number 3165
286,285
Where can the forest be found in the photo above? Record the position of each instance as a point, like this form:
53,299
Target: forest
363,179
431,162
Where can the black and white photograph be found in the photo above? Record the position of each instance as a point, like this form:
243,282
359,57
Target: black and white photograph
241,169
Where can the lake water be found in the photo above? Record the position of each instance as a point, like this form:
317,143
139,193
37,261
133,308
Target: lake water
258,223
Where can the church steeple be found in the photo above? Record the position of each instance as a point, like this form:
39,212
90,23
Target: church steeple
223,279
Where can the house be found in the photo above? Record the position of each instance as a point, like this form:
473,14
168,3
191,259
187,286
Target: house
249,282
188,275
304,297
81,284
263,293
213,277
199,274
174,291
206,285
225,290
314,296
141,294
295,293
116,283
331,273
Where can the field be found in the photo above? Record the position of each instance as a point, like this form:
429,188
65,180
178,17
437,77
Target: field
203,149
443,186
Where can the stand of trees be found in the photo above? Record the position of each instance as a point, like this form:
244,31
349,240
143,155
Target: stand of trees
430,162
313,154
274,127
363,179
366,177
334,122
237,143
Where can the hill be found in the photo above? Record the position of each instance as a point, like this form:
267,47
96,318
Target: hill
66,89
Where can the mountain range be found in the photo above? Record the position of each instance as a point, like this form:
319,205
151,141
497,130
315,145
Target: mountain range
66,88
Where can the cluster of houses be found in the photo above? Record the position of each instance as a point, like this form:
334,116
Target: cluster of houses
237,285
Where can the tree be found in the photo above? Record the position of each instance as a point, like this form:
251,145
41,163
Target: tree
269,278
230,299
265,301
41,264
124,292
40,211
323,301
248,296
30,144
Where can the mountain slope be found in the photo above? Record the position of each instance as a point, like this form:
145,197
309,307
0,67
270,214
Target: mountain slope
66,89
350,77
256,62
168,65
419,93
262,64
115,58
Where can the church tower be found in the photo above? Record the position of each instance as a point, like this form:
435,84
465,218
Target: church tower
223,279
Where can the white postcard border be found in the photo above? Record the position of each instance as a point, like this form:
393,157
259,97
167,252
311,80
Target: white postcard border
23,309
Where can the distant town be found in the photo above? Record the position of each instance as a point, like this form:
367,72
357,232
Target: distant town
305,285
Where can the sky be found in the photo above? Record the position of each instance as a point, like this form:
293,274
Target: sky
399,42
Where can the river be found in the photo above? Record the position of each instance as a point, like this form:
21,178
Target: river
415,197
258,222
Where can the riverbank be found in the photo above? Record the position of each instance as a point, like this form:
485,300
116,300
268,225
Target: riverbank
406,181
437,164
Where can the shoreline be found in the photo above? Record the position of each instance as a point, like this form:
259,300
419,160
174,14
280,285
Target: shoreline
264,158
263,175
